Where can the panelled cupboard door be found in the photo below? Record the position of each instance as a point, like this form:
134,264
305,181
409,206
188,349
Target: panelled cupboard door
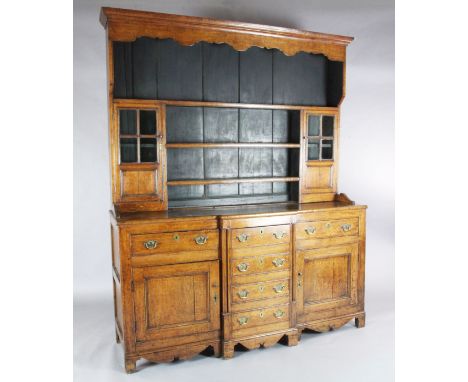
176,300
326,278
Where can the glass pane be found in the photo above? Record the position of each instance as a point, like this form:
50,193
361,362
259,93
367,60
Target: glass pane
148,149
314,125
127,122
313,150
327,125
128,150
327,149
147,122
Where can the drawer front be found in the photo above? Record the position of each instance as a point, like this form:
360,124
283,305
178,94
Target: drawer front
327,228
269,235
259,291
259,264
259,317
166,242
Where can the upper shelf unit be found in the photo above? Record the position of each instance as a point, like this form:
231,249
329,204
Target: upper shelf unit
213,112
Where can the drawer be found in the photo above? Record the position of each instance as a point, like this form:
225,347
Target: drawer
259,264
269,235
166,242
327,228
260,317
259,291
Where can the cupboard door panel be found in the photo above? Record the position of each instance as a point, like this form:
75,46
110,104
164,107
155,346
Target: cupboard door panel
327,278
176,300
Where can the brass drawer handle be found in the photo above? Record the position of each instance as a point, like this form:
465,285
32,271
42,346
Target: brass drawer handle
346,227
242,237
150,244
200,240
279,288
278,262
242,267
243,320
279,234
243,293
310,230
279,313
299,279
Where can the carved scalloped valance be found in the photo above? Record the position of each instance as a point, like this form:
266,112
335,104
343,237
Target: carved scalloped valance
128,25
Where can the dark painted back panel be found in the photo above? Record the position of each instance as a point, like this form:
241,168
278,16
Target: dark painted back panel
220,73
184,124
221,163
185,164
145,64
123,69
163,69
334,82
299,79
286,126
180,71
256,76
221,124
255,125
185,192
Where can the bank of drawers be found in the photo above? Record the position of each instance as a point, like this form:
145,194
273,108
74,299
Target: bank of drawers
260,266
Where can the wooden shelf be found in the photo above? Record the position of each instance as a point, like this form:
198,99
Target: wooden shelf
223,145
230,181
153,103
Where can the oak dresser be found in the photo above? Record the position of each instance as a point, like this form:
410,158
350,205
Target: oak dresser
227,228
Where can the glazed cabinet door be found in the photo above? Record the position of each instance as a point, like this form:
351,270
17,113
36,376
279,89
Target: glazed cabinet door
176,300
320,156
138,156
326,278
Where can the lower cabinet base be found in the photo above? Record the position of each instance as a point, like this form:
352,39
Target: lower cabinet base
182,352
226,348
265,341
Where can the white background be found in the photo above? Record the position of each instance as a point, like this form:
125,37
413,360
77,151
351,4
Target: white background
366,176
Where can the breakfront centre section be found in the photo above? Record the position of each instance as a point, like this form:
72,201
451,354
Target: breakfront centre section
227,228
